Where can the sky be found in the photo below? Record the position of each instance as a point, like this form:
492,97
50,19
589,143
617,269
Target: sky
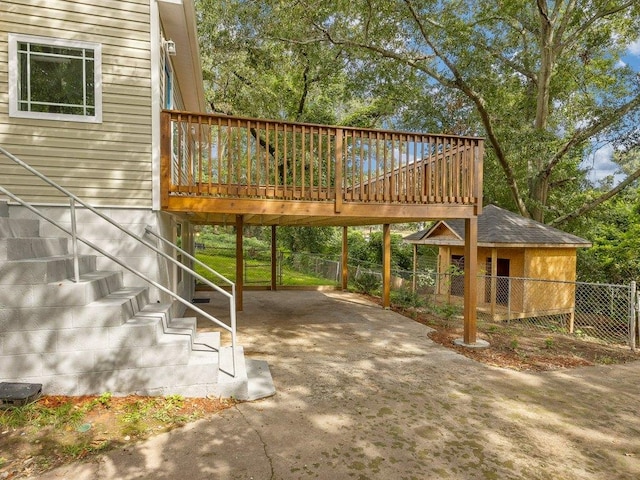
600,162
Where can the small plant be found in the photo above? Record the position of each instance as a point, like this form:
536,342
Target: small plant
448,310
59,416
406,298
514,344
103,400
166,413
17,417
549,343
605,360
133,418
367,282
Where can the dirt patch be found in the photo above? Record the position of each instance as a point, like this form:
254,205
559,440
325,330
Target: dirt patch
56,430
523,348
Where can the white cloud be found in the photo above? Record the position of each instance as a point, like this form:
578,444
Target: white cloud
634,48
601,165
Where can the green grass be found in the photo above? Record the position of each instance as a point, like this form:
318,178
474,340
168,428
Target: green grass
258,272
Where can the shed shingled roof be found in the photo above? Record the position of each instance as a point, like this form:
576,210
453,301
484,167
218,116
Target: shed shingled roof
499,226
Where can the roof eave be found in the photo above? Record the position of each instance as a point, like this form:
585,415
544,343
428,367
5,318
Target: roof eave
178,18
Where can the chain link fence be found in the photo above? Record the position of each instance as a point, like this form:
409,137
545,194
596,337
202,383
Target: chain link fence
604,312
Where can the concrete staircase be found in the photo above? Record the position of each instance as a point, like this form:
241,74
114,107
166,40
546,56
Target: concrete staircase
97,335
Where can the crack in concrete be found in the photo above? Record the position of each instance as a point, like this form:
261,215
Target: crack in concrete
264,444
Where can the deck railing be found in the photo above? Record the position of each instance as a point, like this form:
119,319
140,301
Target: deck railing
223,156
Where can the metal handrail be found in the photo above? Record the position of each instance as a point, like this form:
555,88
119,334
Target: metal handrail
231,296
73,199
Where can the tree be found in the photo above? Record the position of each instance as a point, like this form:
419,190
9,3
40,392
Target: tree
249,71
615,234
306,239
540,79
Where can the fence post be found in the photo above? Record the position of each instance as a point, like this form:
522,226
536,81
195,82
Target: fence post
632,316
509,299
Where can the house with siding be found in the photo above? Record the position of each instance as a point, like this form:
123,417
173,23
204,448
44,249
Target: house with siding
108,157
82,85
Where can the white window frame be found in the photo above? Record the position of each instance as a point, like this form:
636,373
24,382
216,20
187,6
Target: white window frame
14,65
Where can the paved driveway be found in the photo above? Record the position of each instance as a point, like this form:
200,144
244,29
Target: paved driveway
362,393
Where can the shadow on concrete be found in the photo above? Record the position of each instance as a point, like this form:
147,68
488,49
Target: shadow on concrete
363,393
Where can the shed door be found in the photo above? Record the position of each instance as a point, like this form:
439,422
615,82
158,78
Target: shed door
502,282
457,281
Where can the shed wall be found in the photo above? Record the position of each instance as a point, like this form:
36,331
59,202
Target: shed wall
550,264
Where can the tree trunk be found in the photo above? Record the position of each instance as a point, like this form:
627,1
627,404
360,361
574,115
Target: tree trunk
539,194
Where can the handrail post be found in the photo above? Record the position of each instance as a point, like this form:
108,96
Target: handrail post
232,321
74,240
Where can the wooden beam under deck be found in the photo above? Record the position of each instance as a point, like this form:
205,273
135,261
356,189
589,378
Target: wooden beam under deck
222,211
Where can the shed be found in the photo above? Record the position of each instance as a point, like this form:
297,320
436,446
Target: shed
517,259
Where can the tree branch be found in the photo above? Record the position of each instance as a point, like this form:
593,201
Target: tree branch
584,134
577,34
590,205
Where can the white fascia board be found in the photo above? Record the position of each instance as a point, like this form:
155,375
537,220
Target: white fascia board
178,19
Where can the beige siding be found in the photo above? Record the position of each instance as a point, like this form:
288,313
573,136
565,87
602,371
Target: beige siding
107,163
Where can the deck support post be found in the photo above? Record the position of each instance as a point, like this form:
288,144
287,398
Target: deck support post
345,259
470,280
386,265
274,259
239,262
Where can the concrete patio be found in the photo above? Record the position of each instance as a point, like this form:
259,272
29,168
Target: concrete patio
362,393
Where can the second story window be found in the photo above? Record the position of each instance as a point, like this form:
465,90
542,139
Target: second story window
55,79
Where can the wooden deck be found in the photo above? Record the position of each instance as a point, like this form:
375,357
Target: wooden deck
215,167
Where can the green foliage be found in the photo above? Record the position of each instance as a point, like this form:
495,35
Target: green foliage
540,91
306,239
368,283
35,414
447,310
615,233
405,297
369,252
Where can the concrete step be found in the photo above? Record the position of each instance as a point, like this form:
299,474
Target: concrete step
18,227
169,367
93,361
232,384
92,286
34,247
185,380
259,381
206,342
112,310
44,270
